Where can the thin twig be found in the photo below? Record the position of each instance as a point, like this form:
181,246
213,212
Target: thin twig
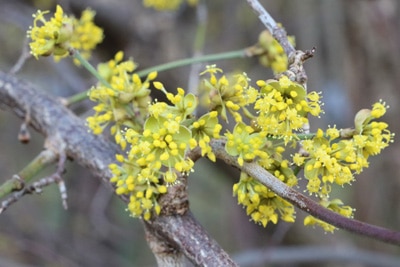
25,54
17,182
60,182
38,186
278,32
198,46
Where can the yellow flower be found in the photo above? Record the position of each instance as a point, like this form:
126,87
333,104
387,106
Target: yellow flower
245,144
283,107
228,94
262,204
86,35
272,54
52,36
62,33
126,103
205,128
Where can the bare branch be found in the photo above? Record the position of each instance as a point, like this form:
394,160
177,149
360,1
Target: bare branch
36,187
18,181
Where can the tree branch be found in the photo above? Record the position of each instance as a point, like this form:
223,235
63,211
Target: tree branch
65,130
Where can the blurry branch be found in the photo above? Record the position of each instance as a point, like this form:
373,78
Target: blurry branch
198,46
242,53
37,186
66,132
18,181
25,54
305,203
314,254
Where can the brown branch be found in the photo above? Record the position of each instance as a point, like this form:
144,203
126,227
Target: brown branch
69,133
176,229
304,203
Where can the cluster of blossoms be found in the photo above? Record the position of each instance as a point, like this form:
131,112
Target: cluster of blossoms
157,152
167,4
334,156
262,204
271,52
228,95
122,101
155,137
62,33
283,107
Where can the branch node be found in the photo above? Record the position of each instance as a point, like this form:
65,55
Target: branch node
24,135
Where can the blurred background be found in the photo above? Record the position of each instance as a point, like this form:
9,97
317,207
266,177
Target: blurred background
357,62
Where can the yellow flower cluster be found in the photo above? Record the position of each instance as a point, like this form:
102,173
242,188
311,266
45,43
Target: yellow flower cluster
157,136
262,204
205,128
167,4
272,54
330,160
124,102
245,143
62,33
153,160
283,107
228,94
324,163
371,136
335,205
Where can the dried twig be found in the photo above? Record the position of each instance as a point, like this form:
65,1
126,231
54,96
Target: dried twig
38,186
18,181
